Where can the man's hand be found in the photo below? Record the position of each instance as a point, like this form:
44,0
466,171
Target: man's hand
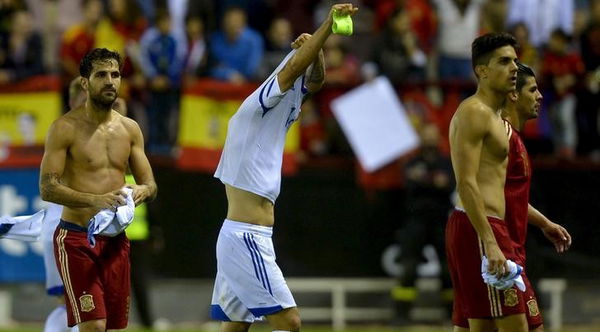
111,200
558,235
496,260
140,193
300,40
342,9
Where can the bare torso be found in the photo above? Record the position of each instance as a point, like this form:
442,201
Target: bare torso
96,159
491,174
248,207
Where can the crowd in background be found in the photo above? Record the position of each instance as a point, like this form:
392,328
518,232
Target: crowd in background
422,46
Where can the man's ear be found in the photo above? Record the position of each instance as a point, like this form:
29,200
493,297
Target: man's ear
84,83
481,71
513,96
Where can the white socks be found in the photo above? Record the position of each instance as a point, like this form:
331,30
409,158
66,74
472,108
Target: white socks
57,321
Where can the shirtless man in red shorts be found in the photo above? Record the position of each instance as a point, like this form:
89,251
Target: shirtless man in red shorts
524,104
87,152
479,150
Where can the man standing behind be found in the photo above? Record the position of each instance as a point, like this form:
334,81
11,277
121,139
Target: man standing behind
249,284
479,152
523,104
87,153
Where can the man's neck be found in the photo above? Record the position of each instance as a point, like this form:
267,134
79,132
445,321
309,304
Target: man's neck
97,113
511,115
491,97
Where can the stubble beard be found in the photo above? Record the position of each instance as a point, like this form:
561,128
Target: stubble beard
101,103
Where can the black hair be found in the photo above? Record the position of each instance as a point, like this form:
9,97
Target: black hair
523,72
483,47
562,34
97,54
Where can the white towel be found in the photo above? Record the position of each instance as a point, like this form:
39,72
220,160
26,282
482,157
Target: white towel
513,277
109,222
23,228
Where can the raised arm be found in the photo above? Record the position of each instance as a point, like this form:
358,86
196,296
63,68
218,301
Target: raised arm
468,129
558,235
56,147
145,188
316,76
309,51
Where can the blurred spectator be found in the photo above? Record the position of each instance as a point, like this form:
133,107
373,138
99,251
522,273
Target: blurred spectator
79,39
561,69
20,50
342,68
493,16
421,14
121,30
162,63
299,13
197,50
429,185
526,52
396,52
236,50
7,9
259,13
205,9
589,98
278,45
542,17
458,26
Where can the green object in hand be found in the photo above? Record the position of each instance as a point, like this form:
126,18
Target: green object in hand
342,24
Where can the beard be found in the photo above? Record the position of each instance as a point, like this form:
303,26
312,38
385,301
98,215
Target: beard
103,102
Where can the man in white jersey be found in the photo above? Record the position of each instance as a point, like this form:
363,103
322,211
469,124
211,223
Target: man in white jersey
249,284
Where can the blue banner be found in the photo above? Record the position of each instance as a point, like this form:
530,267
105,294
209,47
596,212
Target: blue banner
19,195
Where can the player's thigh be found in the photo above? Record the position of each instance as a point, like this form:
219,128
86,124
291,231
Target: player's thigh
234,327
512,323
286,319
480,325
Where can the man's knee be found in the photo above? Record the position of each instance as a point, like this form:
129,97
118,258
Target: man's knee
98,325
286,320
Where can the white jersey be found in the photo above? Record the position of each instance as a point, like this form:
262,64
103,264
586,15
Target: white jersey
253,152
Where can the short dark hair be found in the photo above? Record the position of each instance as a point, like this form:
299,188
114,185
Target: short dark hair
523,72
483,47
97,54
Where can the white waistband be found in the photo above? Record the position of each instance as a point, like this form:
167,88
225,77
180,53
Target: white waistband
246,227
463,210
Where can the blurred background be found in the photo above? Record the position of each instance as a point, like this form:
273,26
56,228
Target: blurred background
357,246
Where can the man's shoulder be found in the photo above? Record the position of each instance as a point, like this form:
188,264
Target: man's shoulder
473,108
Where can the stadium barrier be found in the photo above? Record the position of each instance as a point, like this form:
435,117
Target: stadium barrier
340,312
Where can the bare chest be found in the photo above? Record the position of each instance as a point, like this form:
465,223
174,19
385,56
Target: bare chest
107,146
496,143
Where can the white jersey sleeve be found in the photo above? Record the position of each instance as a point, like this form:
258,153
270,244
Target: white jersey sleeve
253,153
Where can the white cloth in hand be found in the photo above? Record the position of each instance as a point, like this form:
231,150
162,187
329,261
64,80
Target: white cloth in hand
109,222
512,277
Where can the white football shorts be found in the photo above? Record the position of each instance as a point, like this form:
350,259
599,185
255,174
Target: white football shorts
249,284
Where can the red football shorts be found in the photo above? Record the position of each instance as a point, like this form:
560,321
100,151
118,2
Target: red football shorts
472,297
96,279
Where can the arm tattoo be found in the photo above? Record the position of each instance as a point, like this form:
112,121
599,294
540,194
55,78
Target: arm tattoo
47,183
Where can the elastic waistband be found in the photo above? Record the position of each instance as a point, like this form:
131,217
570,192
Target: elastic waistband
459,209
231,225
71,226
